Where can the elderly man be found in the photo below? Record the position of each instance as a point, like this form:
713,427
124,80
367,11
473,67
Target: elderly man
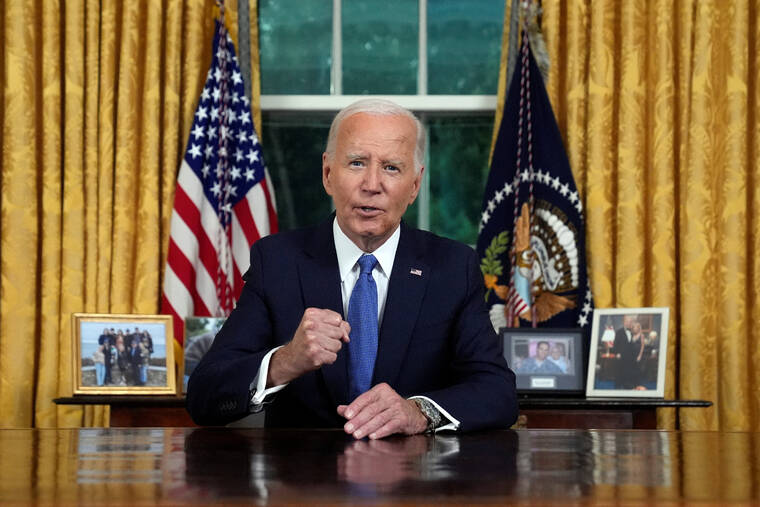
360,322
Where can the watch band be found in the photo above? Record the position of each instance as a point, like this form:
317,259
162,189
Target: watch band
431,413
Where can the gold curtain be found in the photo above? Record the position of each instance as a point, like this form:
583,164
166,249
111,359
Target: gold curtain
657,101
97,104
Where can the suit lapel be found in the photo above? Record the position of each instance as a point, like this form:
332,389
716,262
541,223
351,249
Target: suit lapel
320,282
405,292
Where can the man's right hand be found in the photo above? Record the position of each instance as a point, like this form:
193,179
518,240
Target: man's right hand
316,342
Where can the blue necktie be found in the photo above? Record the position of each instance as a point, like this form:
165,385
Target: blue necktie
362,316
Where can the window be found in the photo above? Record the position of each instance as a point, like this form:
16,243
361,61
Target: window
439,58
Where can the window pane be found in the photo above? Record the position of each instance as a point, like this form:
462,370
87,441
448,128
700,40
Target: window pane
293,146
379,46
459,148
464,46
296,46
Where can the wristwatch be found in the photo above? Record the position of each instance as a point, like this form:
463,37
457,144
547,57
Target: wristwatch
431,413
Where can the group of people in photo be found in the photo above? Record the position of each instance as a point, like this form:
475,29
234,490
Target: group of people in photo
122,357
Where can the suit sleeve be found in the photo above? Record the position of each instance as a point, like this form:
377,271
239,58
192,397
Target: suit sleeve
482,391
218,389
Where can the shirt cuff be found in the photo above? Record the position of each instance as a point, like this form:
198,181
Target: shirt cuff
453,422
258,387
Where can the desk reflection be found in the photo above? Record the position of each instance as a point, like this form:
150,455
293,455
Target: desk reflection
204,465
329,465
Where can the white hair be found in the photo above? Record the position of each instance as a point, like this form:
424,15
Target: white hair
378,107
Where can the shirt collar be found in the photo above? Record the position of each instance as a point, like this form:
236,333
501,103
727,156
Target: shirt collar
348,253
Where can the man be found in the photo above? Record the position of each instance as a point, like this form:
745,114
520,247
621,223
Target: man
557,356
423,354
626,351
540,363
105,340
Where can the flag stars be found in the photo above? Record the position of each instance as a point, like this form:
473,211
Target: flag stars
201,113
211,132
555,183
254,139
216,189
565,189
216,93
209,151
242,137
249,175
217,74
485,217
573,197
236,77
238,155
507,189
491,206
197,131
205,170
253,156
499,196
194,151
214,113
235,173
245,117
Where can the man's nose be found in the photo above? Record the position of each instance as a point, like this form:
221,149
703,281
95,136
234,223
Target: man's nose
372,179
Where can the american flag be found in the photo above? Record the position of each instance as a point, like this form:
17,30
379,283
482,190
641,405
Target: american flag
224,200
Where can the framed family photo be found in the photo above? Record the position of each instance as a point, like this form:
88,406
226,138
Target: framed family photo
545,360
628,349
116,354
199,335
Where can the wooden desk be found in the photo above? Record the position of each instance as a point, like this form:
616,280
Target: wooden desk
570,413
182,466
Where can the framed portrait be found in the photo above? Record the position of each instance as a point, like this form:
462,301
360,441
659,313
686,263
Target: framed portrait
116,354
627,356
545,361
199,335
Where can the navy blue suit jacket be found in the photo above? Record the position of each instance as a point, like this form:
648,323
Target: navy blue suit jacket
435,339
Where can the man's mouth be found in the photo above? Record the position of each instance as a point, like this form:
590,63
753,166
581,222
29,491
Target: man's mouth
368,210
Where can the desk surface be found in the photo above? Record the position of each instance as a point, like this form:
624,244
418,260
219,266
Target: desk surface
270,467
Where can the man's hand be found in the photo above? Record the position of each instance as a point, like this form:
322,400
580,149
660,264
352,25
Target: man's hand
381,412
319,337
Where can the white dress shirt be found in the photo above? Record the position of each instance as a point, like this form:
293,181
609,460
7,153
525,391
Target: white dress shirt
348,254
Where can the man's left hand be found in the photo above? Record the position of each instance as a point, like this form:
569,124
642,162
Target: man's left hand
380,412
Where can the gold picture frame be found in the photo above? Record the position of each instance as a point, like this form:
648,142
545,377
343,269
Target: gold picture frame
122,354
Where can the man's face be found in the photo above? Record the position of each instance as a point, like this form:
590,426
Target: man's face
371,176
542,351
556,352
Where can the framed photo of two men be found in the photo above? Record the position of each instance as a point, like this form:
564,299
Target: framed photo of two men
628,348
115,354
545,360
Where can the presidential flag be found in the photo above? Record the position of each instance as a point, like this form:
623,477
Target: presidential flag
531,239
224,200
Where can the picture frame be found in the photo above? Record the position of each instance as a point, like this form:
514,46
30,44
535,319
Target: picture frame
200,333
140,357
628,352
545,360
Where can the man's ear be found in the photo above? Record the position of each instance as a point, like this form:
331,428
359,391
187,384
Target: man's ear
326,173
417,185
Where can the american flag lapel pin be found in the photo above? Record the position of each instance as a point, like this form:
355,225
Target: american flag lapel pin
415,271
